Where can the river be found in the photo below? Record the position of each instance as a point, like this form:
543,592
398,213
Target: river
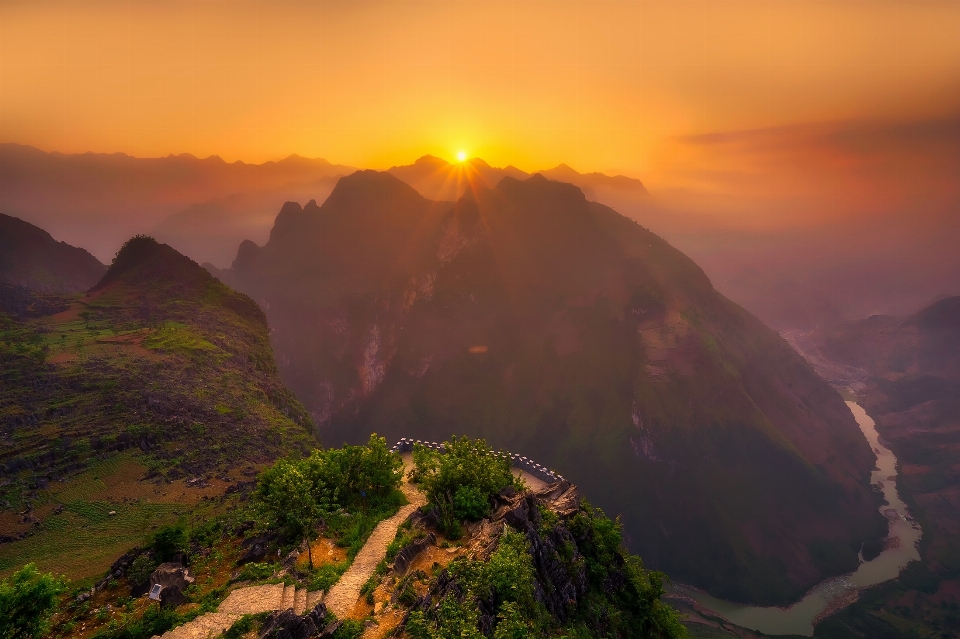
899,550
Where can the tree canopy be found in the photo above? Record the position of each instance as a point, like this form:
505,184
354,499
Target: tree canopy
27,600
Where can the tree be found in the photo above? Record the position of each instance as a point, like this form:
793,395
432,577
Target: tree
27,600
286,494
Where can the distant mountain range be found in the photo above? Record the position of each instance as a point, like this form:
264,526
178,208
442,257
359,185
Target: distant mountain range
554,327
436,179
98,200
204,207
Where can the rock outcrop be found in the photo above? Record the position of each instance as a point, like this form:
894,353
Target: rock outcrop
173,579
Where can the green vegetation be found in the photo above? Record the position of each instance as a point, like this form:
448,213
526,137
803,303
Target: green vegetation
505,584
350,488
622,598
27,599
124,383
461,482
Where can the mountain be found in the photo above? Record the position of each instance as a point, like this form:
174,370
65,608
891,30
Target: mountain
905,372
437,179
98,200
31,258
556,328
211,231
112,400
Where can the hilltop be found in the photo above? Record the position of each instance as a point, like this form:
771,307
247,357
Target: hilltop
555,327
158,380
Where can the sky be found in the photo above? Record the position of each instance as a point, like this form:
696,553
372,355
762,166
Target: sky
639,87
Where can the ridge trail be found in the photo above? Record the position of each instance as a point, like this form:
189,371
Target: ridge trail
340,599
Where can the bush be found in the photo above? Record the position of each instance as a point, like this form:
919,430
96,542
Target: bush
141,568
462,481
243,625
27,600
169,541
470,503
154,621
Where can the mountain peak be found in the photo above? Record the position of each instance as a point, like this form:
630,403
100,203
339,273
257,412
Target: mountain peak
366,184
143,260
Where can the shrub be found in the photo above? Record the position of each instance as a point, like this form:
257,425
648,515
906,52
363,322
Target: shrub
255,572
470,503
141,568
27,600
169,541
461,482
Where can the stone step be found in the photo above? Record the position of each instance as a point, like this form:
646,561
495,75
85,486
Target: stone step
287,601
204,627
313,598
253,600
300,601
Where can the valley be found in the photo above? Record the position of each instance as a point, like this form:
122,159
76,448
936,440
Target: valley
827,598
554,327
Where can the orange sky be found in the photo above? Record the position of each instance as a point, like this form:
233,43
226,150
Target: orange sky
598,85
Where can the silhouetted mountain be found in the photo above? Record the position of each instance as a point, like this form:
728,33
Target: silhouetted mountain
554,327
98,200
437,179
590,183
30,257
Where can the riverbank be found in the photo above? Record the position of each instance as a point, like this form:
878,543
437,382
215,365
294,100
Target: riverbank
836,593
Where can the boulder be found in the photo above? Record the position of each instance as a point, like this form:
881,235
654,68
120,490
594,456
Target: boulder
408,553
173,579
172,596
286,624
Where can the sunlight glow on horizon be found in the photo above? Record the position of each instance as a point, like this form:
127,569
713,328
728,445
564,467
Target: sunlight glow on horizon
461,156
600,86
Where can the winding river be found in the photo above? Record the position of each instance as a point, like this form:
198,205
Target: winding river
833,594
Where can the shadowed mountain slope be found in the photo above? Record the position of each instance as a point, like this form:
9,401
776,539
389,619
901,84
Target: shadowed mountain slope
554,327
31,258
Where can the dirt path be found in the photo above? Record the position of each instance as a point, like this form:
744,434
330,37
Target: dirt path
344,594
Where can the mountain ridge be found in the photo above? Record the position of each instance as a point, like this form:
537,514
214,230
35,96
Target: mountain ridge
555,327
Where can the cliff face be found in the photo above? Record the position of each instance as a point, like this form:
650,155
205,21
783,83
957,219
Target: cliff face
553,326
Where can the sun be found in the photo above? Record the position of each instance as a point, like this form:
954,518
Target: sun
461,156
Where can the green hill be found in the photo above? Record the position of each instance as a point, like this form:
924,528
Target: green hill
157,375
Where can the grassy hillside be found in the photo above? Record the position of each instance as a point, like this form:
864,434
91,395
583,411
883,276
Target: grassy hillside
150,392
554,327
